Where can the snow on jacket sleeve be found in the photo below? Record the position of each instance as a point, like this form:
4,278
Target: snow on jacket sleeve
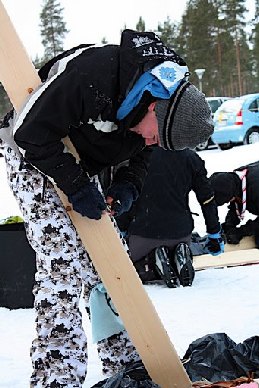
205,195
56,108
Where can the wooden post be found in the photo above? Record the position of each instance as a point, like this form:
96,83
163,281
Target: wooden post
137,312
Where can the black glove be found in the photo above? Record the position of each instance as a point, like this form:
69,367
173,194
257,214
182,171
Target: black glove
225,227
256,233
234,235
214,244
88,201
123,194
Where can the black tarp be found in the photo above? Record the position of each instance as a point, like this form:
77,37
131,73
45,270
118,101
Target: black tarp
132,376
216,357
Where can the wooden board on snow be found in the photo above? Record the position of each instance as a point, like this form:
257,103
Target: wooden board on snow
227,259
136,310
234,255
245,243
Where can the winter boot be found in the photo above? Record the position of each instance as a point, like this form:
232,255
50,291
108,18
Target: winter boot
164,268
182,263
146,268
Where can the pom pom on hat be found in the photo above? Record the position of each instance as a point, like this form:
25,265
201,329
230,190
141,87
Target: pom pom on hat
184,120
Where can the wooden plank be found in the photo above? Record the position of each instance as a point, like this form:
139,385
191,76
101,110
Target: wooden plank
227,259
235,254
245,243
18,76
101,240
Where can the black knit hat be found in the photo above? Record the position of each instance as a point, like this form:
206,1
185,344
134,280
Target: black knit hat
225,185
184,120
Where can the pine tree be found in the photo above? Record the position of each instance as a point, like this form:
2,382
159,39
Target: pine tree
233,17
168,32
53,28
198,42
212,36
255,43
140,26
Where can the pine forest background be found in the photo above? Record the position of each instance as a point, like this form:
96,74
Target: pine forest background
214,35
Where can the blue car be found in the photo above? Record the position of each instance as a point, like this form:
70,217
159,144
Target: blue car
214,103
237,121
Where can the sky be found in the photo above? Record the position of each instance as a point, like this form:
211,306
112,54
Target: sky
91,22
187,313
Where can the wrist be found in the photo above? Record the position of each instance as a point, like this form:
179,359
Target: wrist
78,183
214,235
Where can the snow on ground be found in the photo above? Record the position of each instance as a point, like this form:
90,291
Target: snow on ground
220,300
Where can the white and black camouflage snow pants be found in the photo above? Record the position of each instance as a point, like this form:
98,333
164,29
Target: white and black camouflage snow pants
59,351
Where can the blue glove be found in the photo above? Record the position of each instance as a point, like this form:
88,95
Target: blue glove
123,195
88,201
214,244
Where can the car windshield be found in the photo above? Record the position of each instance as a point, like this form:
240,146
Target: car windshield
231,106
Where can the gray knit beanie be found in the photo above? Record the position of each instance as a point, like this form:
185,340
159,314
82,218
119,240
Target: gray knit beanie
184,120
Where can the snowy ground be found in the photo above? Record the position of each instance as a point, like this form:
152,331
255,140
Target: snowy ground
220,300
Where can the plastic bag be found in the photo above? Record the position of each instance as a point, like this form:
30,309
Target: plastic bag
133,376
217,357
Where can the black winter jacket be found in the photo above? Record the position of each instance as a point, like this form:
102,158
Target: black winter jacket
80,99
162,211
252,198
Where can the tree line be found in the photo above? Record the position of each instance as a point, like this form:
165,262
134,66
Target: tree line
214,35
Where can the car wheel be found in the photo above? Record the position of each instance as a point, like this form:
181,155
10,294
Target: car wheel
202,146
252,136
226,146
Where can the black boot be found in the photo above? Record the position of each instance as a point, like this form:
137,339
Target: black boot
182,262
146,269
164,267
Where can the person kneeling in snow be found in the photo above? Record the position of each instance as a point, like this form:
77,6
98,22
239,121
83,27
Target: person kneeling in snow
240,189
159,234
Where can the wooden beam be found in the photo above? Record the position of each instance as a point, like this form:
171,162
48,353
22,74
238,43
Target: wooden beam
228,259
245,243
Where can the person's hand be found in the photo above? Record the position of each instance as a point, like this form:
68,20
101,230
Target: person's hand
214,244
88,201
120,197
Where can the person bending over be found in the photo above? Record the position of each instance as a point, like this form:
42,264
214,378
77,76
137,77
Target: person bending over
112,102
240,189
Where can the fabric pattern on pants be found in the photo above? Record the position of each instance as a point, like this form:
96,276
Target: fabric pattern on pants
59,351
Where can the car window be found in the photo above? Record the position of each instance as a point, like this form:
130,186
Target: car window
254,106
214,104
231,106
